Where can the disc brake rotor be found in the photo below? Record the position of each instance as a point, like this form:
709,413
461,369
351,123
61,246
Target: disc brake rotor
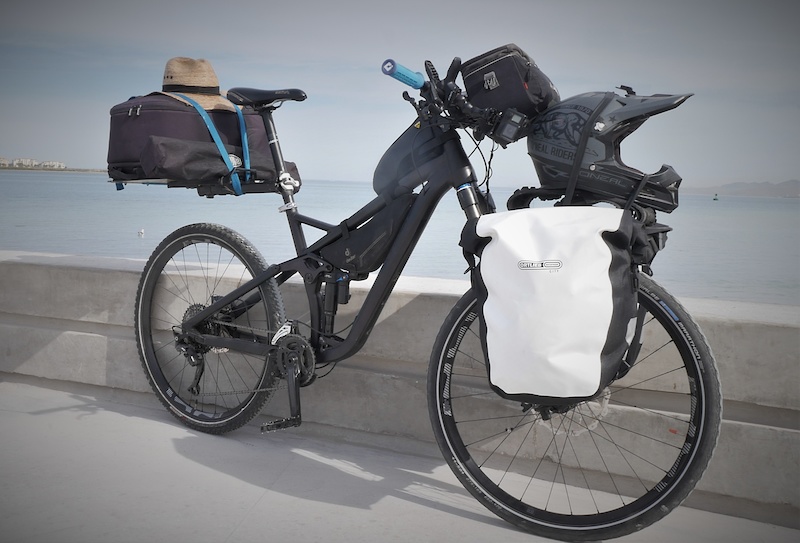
581,418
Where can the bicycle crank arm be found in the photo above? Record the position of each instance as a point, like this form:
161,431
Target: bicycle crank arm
293,382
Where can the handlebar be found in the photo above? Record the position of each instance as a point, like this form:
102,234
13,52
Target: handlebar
446,97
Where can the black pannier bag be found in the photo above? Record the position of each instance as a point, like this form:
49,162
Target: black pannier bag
364,249
557,299
507,78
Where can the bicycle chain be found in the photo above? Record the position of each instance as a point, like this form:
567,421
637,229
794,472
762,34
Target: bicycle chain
229,324
232,392
248,391
221,350
252,329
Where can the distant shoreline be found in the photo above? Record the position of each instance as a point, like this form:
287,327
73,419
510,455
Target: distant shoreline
787,189
720,196
92,170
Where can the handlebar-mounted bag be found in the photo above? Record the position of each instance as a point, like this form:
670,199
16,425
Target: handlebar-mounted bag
507,78
557,299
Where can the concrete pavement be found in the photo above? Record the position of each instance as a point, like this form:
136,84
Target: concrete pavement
70,318
81,463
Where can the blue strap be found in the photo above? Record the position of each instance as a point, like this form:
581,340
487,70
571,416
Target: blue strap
237,186
245,143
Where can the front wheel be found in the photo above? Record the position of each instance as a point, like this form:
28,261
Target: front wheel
214,390
605,468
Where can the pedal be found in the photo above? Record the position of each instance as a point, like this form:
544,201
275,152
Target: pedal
280,424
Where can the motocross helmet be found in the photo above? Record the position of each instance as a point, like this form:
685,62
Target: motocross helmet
575,147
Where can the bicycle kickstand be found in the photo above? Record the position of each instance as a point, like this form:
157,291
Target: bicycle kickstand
293,382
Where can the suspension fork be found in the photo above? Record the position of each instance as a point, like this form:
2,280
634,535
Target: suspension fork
473,201
468,198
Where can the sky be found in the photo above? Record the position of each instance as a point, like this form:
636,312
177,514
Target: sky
64,64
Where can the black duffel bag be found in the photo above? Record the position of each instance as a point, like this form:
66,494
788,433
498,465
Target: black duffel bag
165,158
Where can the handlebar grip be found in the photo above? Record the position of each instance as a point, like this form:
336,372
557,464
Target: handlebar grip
403,74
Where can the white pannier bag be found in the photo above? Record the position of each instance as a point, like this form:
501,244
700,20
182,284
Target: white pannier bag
557,294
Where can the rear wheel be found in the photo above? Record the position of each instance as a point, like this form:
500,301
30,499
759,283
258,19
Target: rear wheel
213,390
604,468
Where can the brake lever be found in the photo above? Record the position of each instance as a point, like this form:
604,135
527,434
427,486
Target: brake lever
449,86
436,83
452,72
407,97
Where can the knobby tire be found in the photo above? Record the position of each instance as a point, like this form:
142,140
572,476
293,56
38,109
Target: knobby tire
189,270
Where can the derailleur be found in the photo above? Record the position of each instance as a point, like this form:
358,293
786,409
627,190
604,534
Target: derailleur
195,357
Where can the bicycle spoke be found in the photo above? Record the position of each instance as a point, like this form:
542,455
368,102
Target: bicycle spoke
188,272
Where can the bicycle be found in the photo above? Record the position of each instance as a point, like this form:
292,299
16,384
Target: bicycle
215,342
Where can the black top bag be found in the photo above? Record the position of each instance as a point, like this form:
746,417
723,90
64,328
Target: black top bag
191,136
156,136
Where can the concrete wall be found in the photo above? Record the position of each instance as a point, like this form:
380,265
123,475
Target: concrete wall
70,319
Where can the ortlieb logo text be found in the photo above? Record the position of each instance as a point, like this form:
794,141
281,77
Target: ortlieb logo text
539,264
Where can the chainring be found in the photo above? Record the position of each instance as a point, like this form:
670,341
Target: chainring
290,348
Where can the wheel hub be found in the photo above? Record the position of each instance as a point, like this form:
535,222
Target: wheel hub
205,327
574,419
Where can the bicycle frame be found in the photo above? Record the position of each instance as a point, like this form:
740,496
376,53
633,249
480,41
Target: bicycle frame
226,360
445,166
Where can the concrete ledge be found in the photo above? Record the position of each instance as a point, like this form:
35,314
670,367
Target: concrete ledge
70,319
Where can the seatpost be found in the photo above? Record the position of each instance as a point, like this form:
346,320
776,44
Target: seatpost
286,182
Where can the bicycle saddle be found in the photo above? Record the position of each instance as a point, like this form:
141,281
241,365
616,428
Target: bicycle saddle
243,96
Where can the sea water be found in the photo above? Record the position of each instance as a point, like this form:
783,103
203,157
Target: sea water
734,248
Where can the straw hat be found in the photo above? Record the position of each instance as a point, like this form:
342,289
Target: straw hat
196,79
